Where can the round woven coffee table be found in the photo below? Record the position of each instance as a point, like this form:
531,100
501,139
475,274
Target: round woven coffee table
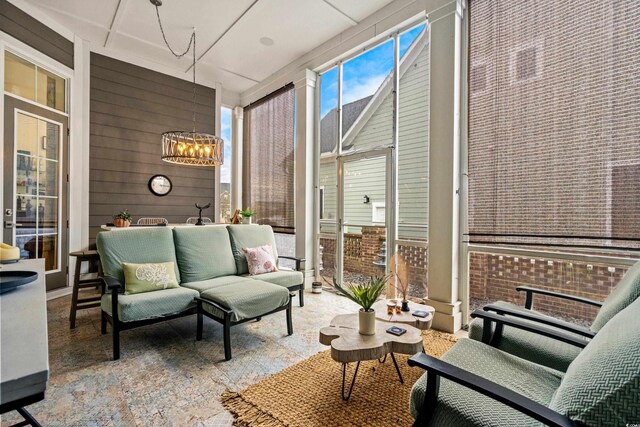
348,345
406,317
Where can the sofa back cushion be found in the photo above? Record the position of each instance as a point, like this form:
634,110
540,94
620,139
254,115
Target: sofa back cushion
250,236
626,291
602,384
203,253
137,246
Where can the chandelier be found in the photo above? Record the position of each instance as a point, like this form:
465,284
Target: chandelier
189,147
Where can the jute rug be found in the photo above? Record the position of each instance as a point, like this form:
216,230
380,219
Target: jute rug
308,393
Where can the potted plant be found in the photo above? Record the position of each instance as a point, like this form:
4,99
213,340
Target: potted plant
364,295
122,219
247,214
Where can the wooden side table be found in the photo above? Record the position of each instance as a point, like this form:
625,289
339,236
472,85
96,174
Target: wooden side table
347,345
84,281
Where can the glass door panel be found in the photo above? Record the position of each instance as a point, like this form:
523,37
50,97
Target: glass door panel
37,189
364,230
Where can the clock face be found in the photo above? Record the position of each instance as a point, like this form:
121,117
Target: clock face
160,185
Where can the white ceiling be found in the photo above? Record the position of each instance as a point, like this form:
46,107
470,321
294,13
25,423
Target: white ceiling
228,31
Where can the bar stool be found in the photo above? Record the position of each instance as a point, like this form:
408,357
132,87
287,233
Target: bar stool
85,281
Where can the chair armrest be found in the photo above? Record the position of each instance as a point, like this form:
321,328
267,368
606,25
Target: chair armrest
530,291
560,324
214,304
112,283
298,261
437,368
501,321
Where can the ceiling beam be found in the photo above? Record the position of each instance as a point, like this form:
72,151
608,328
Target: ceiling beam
223,34
334,7
115,23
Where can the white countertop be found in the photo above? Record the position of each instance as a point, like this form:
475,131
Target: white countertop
24,352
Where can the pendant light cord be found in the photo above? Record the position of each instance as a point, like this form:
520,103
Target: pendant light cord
192,42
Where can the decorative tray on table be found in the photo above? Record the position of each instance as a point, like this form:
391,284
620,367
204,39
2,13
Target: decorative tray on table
10,280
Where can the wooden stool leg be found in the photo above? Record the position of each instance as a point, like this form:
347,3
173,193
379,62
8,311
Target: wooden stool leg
74,297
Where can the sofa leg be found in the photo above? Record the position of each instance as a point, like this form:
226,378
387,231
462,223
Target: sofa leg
227,337
103,323
199,319
258,319
301,295
289,320
115,331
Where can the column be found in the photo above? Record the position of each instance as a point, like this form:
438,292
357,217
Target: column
305,84
444,165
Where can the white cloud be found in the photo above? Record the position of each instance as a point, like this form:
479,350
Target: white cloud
354,90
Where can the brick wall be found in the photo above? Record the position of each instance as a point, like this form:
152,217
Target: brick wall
495,277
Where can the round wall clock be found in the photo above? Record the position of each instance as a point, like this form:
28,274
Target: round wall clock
160,185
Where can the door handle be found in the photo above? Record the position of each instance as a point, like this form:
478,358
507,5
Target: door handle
11,224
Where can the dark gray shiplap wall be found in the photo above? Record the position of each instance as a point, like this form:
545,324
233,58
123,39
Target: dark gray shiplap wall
29,30
130,107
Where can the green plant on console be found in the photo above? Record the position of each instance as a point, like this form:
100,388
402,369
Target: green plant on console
247,213
123,215
363,294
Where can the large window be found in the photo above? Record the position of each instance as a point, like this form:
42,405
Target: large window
357,111
268,160
554,141
225,169
28,81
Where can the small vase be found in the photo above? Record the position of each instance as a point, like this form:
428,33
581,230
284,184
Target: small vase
367,322
405,306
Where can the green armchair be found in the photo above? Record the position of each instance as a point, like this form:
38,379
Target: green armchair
544,349
475,384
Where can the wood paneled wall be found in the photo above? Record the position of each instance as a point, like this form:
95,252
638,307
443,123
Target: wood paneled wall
130,107
29,30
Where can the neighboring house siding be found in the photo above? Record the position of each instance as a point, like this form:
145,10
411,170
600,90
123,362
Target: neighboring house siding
367,177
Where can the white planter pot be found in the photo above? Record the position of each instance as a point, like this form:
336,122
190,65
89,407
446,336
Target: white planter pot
367,322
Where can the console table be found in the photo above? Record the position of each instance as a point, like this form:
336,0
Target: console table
24,354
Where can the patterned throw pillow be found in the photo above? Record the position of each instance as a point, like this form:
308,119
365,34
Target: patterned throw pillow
140,278
260,260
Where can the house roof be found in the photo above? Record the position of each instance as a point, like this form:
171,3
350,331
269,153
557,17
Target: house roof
329,123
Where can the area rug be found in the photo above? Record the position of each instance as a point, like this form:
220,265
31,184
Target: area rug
308,393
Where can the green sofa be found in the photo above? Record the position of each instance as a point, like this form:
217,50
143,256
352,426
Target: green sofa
544,349
211,269
475,384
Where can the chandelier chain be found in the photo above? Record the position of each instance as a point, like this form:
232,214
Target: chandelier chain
192,42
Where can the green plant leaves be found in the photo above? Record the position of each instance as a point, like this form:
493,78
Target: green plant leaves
363,295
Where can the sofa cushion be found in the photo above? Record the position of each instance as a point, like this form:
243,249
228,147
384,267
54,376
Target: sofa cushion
528,345
626,291
247,299
602,386
460,406
148,305
204,285
140,278
138,246
260,260
284,278
203,252
249,236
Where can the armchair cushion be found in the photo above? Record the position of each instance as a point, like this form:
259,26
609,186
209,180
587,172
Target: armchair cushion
626,291
139,246
460,406
602,385
203,253
282,277
249,236
149,305
528,345
247,298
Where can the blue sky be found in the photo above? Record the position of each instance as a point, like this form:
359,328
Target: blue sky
225,133
362,75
